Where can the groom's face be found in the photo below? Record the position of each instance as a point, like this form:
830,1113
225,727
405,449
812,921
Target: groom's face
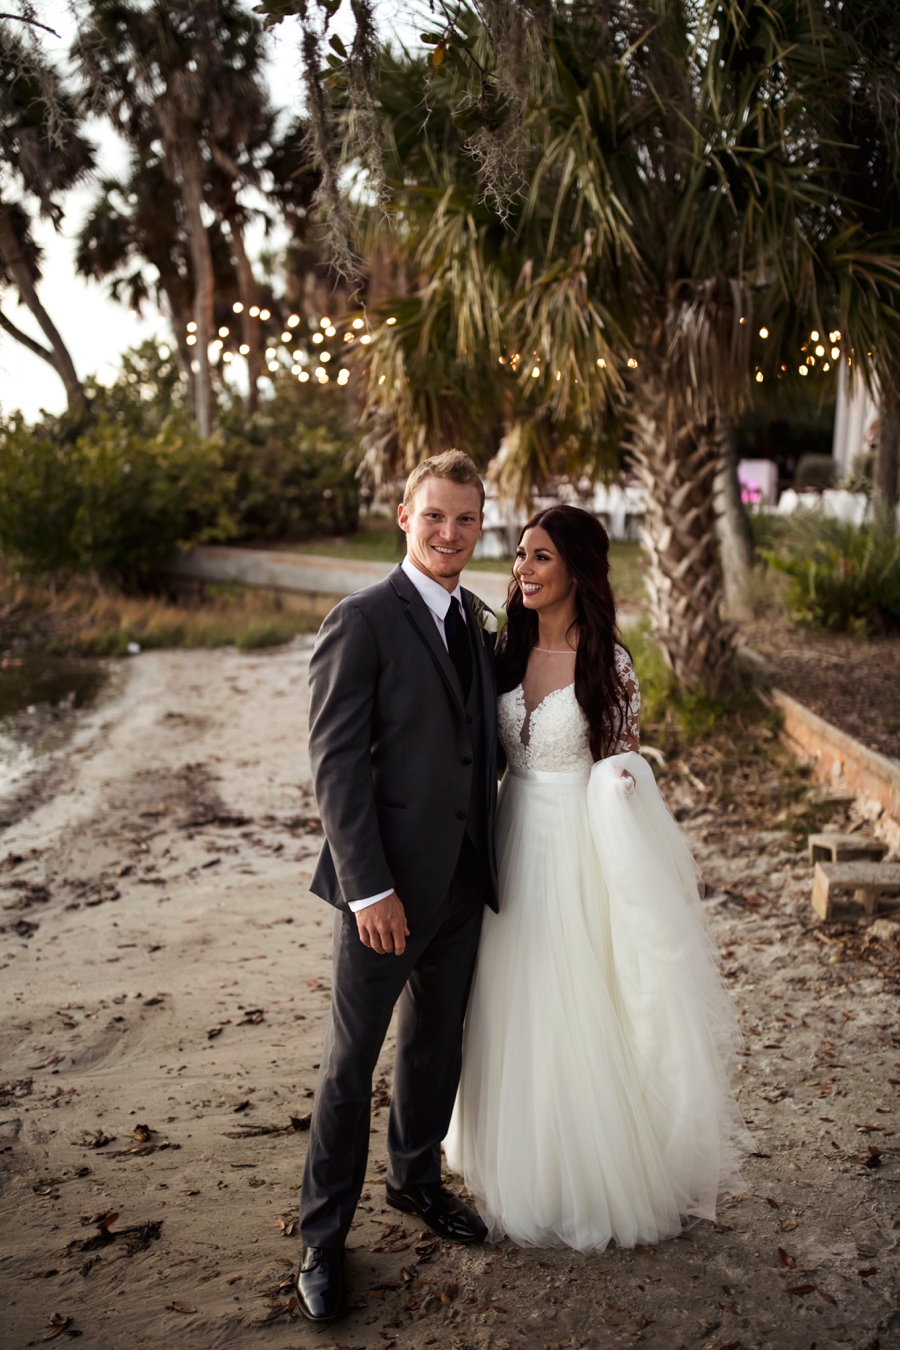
442,524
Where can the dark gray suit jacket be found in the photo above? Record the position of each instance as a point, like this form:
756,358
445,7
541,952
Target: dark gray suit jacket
390,748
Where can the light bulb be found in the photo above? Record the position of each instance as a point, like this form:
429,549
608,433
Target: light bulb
325,323
600,362
366,339
835,353
253,311
244,349
764,332
804,370
326,356
820,350
343,376
390,321
632,363
814,337
286,337
192,327
223,332
535,372
358,323
191,339
759,377
303,376
381,379
330,332
317,338
264,314
237,307
293,320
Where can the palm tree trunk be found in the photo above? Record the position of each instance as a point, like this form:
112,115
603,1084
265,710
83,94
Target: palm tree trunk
677,469
886,468
20,271
735,536
249,322
204,285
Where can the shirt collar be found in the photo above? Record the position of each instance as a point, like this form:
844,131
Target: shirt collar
432,592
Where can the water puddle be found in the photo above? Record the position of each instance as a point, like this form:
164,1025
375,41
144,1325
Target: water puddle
38,695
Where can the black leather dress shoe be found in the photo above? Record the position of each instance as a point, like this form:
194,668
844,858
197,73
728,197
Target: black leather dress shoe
322,1284
441,1211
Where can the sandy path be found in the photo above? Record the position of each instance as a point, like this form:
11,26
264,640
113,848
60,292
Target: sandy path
164,861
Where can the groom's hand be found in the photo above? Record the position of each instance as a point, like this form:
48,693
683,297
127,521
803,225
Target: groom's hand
383,926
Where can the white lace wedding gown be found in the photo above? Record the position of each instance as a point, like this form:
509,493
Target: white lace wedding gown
595,1100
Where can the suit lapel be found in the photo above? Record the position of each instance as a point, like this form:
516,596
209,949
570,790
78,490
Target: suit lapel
420,617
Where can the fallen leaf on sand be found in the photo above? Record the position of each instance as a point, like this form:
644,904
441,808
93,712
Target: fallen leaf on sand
287,1226
774,1203
252,1017
178,1305
142,1133
801,1289
829,1298
786,1259
251,1131
152,1002
279,1311
233,1279
58,1324
241,1106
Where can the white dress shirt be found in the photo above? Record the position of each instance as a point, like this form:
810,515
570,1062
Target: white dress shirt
438,599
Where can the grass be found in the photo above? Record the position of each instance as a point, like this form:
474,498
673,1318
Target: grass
380,541
83,619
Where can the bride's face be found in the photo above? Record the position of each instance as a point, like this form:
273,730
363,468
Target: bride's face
543,577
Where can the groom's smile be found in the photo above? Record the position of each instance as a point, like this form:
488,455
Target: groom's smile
442,525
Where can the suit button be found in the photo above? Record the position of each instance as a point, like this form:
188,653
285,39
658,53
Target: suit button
460,815
467,759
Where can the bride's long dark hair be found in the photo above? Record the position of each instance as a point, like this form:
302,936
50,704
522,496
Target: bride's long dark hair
583,545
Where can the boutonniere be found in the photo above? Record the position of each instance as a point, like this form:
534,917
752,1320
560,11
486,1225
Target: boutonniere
486,620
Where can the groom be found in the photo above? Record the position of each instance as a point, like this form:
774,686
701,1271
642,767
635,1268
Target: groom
403,751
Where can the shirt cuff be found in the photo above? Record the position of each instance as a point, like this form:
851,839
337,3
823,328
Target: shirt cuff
357,905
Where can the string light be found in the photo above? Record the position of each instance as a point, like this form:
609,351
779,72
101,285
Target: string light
358,323
381,379
742,319
273,365
253,311
348,337
317,338
804,370
192,327
759,377
366,339
265,314
227,356
325,323
293,320
559,374
343,376
244,349
764,332
303,376
814,337
237,307
632,363
820,350
270,352
295,370
223,332
330,331
835,336
286,337
298,355
326,356
826,366
535,372
320,372
191,339
601,363
391,321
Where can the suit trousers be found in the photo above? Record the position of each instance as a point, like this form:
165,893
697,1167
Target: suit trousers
431,980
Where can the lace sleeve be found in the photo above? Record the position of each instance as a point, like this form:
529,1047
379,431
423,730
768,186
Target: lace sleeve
629,738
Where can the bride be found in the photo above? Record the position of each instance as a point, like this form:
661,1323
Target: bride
594,1102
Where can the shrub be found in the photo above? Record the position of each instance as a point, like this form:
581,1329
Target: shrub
115,502
842,577
815,471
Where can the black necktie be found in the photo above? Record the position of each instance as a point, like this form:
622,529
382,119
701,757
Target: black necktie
458,645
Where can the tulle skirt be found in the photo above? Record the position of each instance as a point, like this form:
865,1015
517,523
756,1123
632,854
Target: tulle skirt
595,1098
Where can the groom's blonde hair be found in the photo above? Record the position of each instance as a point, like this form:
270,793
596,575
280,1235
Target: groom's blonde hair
452,464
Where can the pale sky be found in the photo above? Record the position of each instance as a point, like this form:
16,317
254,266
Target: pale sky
95,328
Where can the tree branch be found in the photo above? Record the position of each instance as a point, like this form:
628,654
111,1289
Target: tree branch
25,340
21,18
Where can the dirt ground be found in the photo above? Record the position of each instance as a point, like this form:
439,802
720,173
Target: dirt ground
158,1070
852,682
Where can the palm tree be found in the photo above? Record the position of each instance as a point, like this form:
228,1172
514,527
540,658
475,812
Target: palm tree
680,203
44,154
188,75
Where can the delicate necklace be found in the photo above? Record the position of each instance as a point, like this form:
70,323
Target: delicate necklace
553,652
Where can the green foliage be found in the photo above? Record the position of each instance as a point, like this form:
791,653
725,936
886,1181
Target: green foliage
842,578
293,466
116,502
662,700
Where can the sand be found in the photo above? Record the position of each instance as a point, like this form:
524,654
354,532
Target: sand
172,994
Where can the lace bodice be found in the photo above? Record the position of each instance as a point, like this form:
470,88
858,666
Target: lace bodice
557,731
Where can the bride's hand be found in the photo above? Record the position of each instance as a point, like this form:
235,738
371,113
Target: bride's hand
626,784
